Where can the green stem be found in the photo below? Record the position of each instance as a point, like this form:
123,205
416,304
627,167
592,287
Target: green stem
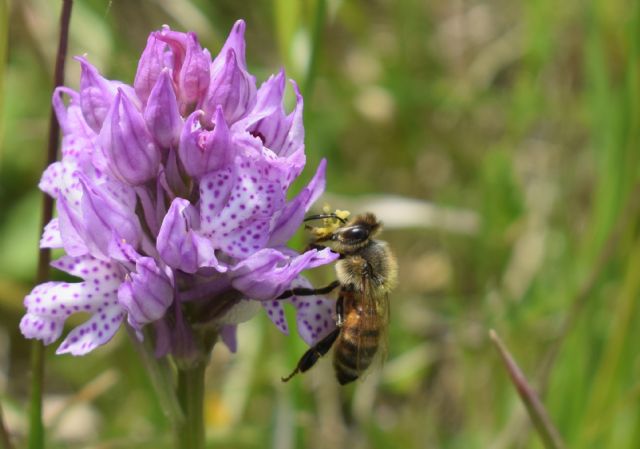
190,432
36,427
161,376
316,42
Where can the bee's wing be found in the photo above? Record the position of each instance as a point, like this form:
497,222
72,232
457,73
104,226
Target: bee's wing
375,305
385,315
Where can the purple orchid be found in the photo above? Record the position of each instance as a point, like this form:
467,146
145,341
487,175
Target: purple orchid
172,202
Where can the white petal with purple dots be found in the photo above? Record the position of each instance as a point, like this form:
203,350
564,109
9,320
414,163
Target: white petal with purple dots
50,304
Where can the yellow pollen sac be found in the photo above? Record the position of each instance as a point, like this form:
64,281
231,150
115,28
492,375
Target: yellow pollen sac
330,224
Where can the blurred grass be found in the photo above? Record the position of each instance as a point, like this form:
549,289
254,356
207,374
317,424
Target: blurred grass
527,113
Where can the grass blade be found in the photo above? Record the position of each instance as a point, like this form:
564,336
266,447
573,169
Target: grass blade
547,431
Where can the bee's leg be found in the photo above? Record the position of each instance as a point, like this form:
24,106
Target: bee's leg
310,357
301,291
312,245
340,311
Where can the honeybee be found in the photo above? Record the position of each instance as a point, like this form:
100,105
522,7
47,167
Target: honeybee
366,273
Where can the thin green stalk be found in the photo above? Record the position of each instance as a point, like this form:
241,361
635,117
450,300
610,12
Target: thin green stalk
4,38
316,41
36,426
538,414
190,432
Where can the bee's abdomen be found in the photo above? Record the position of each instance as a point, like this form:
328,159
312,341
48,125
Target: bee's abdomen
355,348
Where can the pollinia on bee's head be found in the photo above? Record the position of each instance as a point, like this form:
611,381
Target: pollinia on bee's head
347,237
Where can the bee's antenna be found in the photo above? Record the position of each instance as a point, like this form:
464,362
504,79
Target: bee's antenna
321,216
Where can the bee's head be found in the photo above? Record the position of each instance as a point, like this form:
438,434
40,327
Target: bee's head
353,235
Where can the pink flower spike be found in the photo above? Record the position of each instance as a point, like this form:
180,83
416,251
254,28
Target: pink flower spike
176,187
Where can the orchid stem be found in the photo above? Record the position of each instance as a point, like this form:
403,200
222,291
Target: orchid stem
160,375
190,432
36,426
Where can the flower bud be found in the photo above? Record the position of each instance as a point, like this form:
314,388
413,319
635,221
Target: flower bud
161,113
152,61
132,155
235,41
96,94
231,87
191,64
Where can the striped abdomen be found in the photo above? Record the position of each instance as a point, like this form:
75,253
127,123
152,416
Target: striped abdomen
356,346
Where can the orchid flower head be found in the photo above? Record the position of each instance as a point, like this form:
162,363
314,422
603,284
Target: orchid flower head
172,199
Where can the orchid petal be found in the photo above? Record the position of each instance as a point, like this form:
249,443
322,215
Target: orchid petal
236,205
127,144
202,151
146,294
315,315
178,242
289,218
231,87
268,273
152,62
51,303
51,237
161,113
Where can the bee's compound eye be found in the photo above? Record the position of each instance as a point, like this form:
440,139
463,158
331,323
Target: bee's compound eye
355,234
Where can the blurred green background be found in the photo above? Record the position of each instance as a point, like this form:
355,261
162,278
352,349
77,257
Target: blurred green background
499,141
